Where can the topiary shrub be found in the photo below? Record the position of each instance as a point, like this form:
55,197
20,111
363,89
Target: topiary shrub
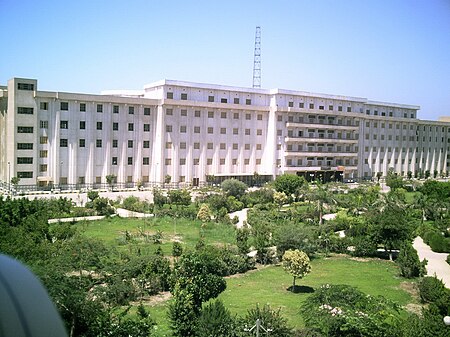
439,243
409,263
431,289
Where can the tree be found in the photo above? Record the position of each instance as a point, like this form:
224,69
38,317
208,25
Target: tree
296,263
111,179
280,198
393,180
321,195
216,321
182,313
408,260
289,183
233,187
179,197
177,249
92,195
242,236
204,213
269,318
15,181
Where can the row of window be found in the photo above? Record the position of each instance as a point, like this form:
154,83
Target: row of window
319,161
209,161
99,126
210,130
210,146
64,106
184,97
211,114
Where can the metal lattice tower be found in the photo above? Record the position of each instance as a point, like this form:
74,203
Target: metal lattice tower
257,60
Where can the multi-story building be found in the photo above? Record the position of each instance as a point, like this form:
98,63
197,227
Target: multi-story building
196,132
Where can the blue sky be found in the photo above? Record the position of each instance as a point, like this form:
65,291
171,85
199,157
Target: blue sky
386,50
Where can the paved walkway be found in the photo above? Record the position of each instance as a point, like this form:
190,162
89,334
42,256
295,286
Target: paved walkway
437,264
242,216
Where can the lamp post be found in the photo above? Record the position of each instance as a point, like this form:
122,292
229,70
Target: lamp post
258,327
9,177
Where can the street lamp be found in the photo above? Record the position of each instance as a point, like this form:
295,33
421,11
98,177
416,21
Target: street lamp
258,326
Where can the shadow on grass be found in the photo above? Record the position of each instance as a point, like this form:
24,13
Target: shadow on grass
300,289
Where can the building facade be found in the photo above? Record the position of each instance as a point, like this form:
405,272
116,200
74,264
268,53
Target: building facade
194,133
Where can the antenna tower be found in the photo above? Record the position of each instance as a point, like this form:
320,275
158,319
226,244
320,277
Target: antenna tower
257,59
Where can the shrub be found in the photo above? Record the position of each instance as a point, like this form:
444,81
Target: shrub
269,317
233,187
431,289
216,320
259,196
439,243
409,263
364,247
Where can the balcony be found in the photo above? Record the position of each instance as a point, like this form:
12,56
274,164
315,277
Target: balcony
322,125
320,153
318,139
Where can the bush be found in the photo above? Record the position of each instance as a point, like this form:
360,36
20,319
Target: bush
409,263
431,289
259,196
136,205
233,187
439,243
364,247
216,320
269,317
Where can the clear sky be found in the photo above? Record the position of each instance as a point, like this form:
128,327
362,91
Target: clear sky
386,50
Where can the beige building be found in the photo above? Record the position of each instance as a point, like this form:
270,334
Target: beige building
196,132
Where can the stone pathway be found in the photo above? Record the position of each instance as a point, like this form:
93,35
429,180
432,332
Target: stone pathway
242,216
437,264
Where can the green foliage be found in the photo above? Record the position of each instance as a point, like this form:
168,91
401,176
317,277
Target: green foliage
437,242
135,204
234,204
180,211
92,195
270,319
179,197
295,236
159,199
15,181
342,310
216,321
177,249
431,289
182,313
102,206
296,263
111,179
289,183
260,196
393,180
242,237
233,187
409,263
429,325
364,247
280,198
204,213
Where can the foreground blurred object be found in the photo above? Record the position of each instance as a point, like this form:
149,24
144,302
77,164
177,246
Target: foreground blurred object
25,307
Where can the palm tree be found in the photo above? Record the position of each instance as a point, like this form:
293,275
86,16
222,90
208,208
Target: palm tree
321,195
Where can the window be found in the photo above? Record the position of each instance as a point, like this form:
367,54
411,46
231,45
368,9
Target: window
235,131
321,107
291,104
82,142
223,114
280,118
169,95
25,111
222,161
43,154
247,132
247,146
115,126
184,97
235,146
145,161
24,160
64,124
130,144
114,161
168,128
209,146
223,131
43,140
82,107
248,101
146,144
234,161
223,100
259,117
99,107
24,146
196,129
130,160
182,161
210,130
168,145
209,161
25,86
259,132
236,115
64,106
146,111
24,129
168,161
210,114
98,143
210,98
339,108
349,109
236,100
311,105
197,113
183,145
222,146
279,133
99,125
196,146
246,161
63,142
25,175
43,168
258,146
301,105
183,112
196,161
258,161
131,110
115,109
115,143
146,127
330,107
248,117
130,127
82,125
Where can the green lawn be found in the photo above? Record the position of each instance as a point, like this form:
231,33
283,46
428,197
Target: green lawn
112,232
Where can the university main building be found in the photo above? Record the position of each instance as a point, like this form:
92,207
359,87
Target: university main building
193,133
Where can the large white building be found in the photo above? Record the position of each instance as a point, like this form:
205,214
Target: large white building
196,132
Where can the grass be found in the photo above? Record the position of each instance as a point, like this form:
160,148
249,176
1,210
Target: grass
112,232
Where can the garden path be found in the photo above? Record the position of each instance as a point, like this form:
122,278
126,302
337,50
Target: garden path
242,216
437,264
